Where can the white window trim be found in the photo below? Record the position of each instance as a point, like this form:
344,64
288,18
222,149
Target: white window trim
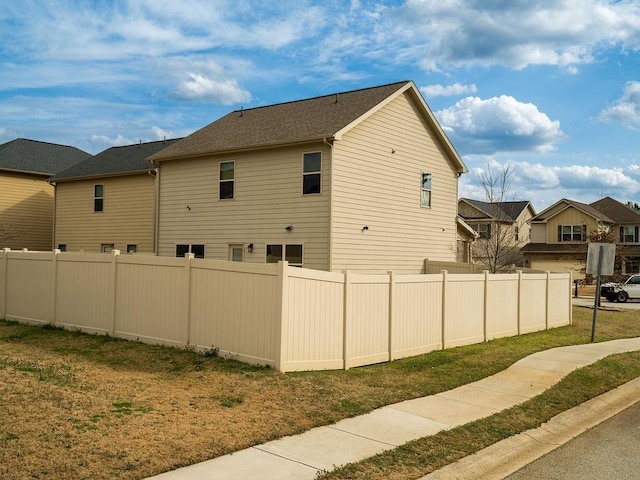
422,190
315,172
284,251
228,180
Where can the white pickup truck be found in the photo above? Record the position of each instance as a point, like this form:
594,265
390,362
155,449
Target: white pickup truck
621,292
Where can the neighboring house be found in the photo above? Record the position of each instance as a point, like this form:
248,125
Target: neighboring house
466,236
502,228
26,198
108,201
364,180
560,233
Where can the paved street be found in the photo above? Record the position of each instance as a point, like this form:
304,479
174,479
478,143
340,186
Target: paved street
588,302
606,452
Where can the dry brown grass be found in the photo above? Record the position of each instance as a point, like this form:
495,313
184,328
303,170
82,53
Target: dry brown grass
80,406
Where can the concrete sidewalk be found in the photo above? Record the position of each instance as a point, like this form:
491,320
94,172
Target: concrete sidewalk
351,440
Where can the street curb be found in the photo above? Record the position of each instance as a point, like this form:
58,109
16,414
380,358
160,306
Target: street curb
508,456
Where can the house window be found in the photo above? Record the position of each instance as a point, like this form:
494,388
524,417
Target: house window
184,248
98,198
132,248
227,179
572,233
484,230
293,254
236,253
629,234
425,199
311,173
62,247
517,233
106,247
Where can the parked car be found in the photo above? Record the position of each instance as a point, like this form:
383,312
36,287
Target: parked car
621,292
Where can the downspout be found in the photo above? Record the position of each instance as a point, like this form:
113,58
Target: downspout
330,144
55,198
156,207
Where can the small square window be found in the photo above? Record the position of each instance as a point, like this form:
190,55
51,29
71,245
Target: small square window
311,173
106,247
184,248
294,255
62,247
132,248
227,180
425,199
274,253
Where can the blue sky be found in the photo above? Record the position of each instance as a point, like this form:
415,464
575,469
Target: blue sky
549,87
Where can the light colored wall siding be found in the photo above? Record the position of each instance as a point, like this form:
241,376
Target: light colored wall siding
570,216
539,233
524,227
26,212
559,266
268,197
377,188
128,216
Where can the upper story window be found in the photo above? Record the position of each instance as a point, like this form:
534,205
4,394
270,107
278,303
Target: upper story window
572,233
227,179
425,199
98,198
629,234
311,173
516,234
484,230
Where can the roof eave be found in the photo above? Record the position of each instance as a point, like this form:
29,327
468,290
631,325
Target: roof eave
101,175
263,146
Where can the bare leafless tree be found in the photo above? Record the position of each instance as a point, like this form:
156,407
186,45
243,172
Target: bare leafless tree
7,233
498,245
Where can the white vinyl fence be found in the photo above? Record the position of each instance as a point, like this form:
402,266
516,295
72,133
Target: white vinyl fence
286,317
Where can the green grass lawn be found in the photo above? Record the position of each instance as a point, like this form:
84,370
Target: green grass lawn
86,406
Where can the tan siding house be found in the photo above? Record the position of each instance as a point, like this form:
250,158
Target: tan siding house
561,232
363,180
505,223
26,197
108,201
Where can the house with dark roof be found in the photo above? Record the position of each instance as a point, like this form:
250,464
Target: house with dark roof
560,233
502,228
108,201
364,180
26,198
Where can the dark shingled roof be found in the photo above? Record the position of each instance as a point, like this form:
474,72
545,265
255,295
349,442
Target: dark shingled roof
284,123
502,211
115,161
617,211
42,158
550,211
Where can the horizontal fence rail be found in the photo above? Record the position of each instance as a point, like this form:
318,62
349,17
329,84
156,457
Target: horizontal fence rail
285,317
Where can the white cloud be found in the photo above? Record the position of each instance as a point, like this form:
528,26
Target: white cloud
438,90
626,109
499,124
104,140
197,87
160,134
563,33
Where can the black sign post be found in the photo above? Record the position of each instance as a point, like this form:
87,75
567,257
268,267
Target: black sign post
596,302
